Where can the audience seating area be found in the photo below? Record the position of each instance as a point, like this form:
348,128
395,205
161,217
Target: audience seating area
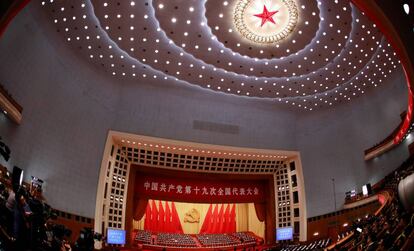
245,237
175,240
214,240
389,229
341,236
225,241
316,245
143,237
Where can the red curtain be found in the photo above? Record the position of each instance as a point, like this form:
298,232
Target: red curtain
207,221
140,209
161,217
11,13
260,211
176,220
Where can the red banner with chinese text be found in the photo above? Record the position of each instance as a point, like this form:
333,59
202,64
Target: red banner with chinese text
201,191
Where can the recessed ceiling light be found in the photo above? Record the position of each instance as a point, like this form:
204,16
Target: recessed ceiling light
406,8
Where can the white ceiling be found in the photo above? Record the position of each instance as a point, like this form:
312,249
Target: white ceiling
334,54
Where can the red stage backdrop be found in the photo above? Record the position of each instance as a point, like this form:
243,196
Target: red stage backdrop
202,191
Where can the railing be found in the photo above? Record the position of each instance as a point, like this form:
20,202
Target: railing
9,106
349,237
383,146
396,26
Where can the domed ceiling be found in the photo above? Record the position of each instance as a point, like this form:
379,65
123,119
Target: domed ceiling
306,54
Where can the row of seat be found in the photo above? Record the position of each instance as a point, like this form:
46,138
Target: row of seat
245,237
175,240
344,235
143,237
204,240
209,240
392,228
316,245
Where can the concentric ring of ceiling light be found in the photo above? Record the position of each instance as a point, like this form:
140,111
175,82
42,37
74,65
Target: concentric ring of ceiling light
242,21
334,55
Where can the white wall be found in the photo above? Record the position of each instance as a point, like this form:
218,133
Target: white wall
332,144
69,106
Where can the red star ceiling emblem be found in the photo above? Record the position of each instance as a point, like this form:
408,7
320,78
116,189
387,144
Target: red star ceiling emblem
266,16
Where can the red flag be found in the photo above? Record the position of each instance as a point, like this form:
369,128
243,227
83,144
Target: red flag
226,218
176,220
154,216
147,222
220,220
213,228
207,220
168,220
161,219
232,227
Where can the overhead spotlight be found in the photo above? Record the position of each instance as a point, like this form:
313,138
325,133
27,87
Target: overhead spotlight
406,8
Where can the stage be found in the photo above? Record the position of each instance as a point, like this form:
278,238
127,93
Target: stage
196,218
196,204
